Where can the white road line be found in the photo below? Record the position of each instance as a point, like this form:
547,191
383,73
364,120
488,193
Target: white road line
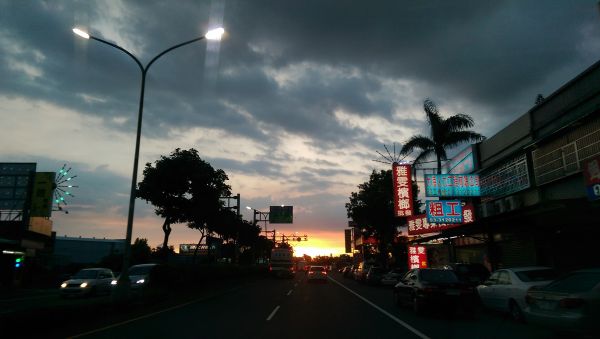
296,285
290,292
391,316
273,313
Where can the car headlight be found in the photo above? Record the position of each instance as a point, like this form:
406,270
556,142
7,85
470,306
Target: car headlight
63,285
83,285
141,281
114,282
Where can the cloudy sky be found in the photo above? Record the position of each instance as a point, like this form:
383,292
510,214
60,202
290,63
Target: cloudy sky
293,103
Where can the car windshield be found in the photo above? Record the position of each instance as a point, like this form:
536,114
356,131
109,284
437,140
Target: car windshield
438,276
575,282
140,270
537,275
317,268
86,274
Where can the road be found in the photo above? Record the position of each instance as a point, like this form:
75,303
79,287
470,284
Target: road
294,308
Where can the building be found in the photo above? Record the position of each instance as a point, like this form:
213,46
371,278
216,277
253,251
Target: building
537,204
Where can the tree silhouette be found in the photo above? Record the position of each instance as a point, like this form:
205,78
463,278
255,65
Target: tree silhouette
183,188
445,134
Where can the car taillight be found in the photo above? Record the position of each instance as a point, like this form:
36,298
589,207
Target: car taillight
428,289
270,268
311,272
571,302
325,272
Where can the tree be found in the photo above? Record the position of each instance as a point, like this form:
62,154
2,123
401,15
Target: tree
372,208
140,251
183,188
445,134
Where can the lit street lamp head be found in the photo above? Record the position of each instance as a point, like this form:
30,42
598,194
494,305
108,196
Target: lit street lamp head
81,33
215,34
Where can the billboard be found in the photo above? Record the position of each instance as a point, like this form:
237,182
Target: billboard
591,173
444,211
403,202
15,182
452,185
417,257
348,240
462,163
281,214
43,190
418,224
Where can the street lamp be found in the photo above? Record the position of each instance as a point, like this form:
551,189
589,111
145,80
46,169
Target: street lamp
214,34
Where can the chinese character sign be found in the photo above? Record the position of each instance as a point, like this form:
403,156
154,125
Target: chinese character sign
591,173
452,185
418,224
401,177
444,211
417,257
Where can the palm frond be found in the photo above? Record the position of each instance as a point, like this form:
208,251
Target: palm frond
458,122
418,141
433,115
456,138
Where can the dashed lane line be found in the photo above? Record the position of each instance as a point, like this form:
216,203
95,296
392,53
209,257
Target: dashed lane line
273,313
290,292
391,316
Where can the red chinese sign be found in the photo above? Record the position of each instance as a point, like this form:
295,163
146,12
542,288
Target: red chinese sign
403,204
418,224
417,257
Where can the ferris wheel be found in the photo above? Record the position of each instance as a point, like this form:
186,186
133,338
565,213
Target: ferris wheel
63,189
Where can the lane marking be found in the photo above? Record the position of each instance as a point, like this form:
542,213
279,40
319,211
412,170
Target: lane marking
273,313
296,285
204,298
391,316
290,292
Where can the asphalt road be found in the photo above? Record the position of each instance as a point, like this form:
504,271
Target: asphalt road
294,308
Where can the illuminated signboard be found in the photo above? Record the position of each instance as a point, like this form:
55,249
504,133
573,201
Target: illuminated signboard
591,173
452,185
403,202
510,177
417,257
462,163
444,211
418,224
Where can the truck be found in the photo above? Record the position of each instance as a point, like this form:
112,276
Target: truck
281,264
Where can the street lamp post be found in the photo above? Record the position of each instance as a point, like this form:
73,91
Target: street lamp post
214,34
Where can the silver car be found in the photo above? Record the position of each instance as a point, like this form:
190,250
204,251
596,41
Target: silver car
89,281
505,289
569,304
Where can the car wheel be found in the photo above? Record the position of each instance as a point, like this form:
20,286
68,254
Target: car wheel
515,311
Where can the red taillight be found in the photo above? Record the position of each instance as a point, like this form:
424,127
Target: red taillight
428,290
311,272
325,272
270,268
571,302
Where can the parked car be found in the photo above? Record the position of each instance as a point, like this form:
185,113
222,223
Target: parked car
392,277
505,289
473,274
374,275
89,281
317,273
568,304
428,288
360,274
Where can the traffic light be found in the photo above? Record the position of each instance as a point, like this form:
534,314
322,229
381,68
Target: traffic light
18,262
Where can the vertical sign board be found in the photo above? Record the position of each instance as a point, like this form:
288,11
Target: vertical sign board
348,240
43,191
281,214
417,257
591,173
403,202
444,211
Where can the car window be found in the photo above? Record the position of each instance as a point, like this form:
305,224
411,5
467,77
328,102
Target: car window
438,276
493,279
575,282
503,278
86,274
140,270
537,275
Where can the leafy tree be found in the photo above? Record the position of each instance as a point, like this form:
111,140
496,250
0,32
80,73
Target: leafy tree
445,134
372,207
183,188
140,251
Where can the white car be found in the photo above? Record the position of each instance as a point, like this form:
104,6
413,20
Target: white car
505,289
392,277
89,281
317,273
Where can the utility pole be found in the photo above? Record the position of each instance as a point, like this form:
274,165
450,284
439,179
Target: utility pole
236,207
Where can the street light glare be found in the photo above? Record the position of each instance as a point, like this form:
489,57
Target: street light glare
215,34
248,207
81,33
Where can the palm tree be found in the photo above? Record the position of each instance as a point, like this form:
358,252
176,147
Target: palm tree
445,134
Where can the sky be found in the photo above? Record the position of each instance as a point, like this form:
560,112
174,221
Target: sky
293,104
